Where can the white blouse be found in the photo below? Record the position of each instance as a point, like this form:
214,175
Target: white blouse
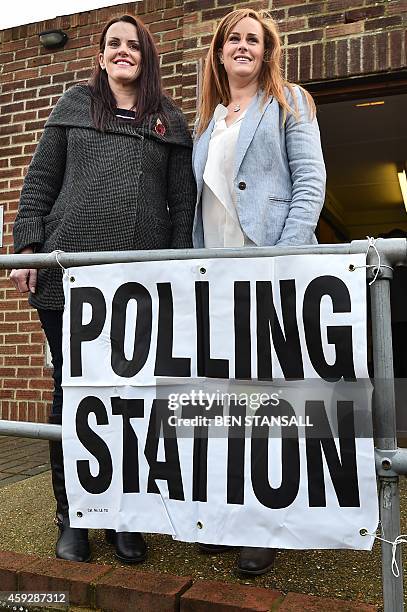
219,215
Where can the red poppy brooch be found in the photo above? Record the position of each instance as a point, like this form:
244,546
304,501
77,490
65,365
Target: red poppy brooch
159,127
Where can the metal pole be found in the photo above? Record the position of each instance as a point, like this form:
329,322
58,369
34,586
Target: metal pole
385,432
394,247
23,429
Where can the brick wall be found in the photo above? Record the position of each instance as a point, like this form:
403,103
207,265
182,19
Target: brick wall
32,80
323,39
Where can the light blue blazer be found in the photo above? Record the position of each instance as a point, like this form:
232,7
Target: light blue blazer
279,174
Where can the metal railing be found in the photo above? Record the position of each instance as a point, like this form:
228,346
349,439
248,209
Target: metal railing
391,461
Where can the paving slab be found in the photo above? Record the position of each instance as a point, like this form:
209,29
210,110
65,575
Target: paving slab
21,458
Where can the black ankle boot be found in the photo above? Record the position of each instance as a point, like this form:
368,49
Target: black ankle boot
256,561
130,546
72,544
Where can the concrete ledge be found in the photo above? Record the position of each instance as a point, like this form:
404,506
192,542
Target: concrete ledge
295,602
58,575
124,589
208,595
108,589
11,564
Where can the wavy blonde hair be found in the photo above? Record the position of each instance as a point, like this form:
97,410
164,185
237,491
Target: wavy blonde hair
215,85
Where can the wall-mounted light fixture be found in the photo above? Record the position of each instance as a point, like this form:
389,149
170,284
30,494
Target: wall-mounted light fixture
401,174
53,39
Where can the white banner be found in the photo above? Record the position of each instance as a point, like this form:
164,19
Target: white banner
221,401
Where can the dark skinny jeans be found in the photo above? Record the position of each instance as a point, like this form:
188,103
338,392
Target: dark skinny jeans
51,321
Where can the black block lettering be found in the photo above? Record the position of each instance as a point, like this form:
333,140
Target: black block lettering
165,363
142,334
129,409
339,335
343,470
84,333
95,445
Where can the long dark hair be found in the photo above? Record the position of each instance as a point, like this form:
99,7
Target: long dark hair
149,88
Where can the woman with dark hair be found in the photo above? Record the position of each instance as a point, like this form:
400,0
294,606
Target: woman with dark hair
112,171
257,160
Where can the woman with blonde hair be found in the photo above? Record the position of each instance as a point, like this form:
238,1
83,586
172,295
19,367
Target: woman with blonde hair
257,158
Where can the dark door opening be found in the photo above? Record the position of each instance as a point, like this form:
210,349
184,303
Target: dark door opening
365,145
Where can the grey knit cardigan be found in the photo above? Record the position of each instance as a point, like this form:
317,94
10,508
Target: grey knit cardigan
124,188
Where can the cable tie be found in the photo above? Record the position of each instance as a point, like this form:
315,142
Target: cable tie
401,539
378,266
57,253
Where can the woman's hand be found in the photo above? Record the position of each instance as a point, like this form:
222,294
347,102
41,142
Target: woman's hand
24,279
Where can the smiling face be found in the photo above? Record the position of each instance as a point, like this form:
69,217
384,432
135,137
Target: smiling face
121,57
243,51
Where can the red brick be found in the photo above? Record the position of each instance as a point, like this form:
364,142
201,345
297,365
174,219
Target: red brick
368,53
45,80
13,67
330,52
305,64
6,394
10,564
355,66
216,13
296,602
383,23
59,575
317,62
208,596
345,29
342,57
39,103
13,45
87,52
364,13
397,7
306,9
163,26
302,37
292,66
5,58
125,589
395,49
292,25
382,51
338,5
325,20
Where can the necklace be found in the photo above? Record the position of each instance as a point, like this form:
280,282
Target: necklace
236,108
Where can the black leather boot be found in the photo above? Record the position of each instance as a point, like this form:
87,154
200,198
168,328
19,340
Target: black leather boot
72,544
256,561
130,546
